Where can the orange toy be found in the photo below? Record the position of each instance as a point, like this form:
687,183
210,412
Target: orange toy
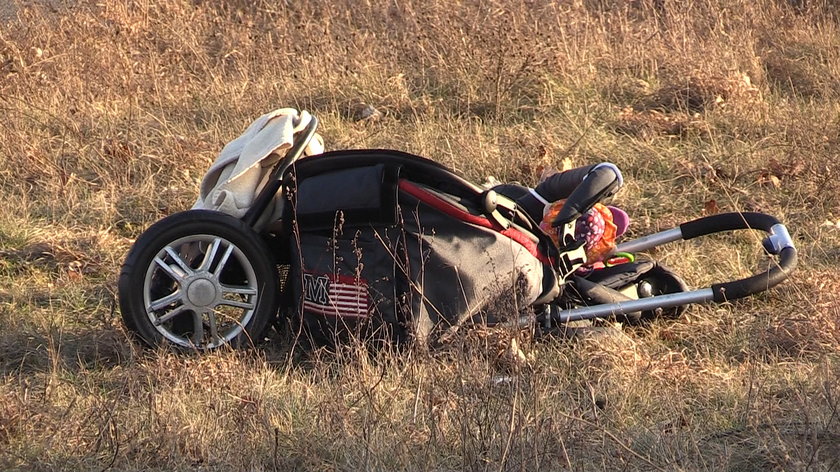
595,226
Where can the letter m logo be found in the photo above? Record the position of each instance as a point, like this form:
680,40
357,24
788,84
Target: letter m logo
316,289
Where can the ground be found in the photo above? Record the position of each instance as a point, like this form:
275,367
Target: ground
113,110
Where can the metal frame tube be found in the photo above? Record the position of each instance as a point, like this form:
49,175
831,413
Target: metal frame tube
652,240
643,304
269,190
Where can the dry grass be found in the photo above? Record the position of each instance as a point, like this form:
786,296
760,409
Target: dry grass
112,111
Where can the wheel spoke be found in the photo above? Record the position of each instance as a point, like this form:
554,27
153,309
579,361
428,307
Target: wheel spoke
173,313
183,300
237,303
210,255
223,261
198,329
177,258
169,270
163,302
214,329
239,290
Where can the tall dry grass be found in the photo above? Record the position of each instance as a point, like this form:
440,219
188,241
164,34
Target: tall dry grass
111,111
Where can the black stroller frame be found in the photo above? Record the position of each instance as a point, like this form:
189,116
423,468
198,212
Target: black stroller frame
778,242
191,287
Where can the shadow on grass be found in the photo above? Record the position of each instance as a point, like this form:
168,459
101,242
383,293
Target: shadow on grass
27,352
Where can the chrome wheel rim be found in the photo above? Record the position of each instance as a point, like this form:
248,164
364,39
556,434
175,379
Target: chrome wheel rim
203,277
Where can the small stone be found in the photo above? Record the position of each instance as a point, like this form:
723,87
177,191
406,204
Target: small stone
365,112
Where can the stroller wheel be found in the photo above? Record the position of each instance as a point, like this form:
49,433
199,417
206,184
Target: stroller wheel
659,281
198,280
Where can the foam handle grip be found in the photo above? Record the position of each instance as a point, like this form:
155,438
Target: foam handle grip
597,185
757,283
727,222
734,221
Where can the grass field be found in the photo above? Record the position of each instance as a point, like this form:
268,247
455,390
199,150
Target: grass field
112,110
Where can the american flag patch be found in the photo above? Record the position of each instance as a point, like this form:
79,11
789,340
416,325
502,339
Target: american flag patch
335,295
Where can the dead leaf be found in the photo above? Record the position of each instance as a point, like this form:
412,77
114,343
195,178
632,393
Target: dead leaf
711,207
567,165
831,224
794,168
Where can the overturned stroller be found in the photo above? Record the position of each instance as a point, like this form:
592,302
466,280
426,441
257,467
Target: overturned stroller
381,244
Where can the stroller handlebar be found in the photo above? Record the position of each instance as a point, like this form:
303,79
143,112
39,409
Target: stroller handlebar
760,282
778,242
727,222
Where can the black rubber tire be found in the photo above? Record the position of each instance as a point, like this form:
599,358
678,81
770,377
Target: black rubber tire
183,225
663,281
